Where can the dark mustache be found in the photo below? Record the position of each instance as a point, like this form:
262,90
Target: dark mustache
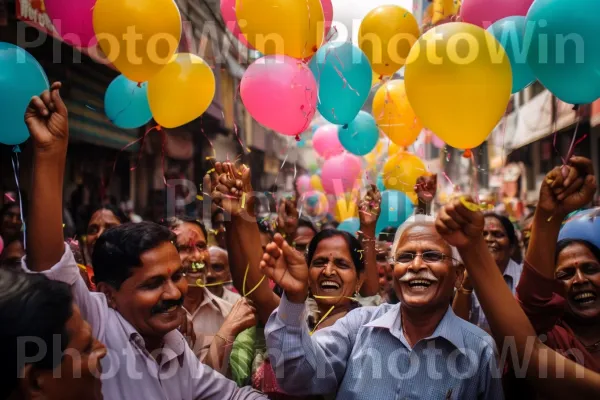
165,305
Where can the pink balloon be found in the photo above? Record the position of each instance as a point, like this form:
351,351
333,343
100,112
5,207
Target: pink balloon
485,12
326,141
328,13
303,184
280,92
231,21
340,173
73,21
1,244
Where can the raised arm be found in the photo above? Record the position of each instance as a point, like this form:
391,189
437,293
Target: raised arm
233,192
47,120
369,209
462,228
463,299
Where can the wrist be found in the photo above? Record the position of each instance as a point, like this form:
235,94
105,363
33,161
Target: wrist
297,298
51,154
368,230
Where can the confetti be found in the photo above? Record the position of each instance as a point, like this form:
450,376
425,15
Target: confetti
199,197
243,205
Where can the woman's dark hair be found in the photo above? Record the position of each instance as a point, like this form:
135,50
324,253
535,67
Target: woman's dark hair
120,215
508,226
119,249
354,247
32,306
173,222
563,244
307,223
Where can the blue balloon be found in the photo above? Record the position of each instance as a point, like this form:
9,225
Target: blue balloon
564,53
361,135
351,225
21,78
380,184
396,207
126,104
344,76
584,225
510,32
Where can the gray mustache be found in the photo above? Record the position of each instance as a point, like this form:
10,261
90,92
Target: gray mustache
422,274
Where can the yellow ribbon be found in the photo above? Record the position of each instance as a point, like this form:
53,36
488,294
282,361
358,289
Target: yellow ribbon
471,206
322,319
199,283
244,283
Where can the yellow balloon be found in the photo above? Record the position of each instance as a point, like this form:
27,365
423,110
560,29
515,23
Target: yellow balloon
401,172
413,197
291,27
386,35
138,36
459,81
394,149
345,208
181,91
394,115
316,184
443,9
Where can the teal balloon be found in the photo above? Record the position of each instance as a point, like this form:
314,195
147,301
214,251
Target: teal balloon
361,135
380,184
565,48
351,225
511,32
344,76
126,104
396,207
21,78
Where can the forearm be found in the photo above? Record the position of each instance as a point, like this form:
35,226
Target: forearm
219,352
462,303
45,240
542,245
248,237
370,286
504,315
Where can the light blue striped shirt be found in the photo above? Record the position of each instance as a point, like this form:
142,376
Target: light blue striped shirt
366,356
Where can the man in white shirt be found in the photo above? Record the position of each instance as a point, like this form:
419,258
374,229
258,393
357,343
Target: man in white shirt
138,272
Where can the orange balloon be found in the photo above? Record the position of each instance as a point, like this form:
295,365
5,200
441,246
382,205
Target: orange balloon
402,171
394,114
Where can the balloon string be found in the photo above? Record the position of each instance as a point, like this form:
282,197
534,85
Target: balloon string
322,319
244,283
199,283
17,172
572,147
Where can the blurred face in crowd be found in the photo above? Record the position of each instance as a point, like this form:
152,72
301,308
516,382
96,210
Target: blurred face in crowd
193,251
424,271
12,254
497,241
383,265
10,225
79,375
218,225
101,220
217,271
526,231
332,273
579,270
303,237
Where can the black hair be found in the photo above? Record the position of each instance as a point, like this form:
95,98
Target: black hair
120,215
173,222
307,223
563,244
354,247
119,249
388,234
508,226
8,206
33,306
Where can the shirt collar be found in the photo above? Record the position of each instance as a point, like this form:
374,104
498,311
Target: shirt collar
448,328
212,301
512,271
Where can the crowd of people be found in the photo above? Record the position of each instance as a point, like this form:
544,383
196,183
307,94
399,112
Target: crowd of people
287,307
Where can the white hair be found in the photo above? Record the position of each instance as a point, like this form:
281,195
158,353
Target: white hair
420,219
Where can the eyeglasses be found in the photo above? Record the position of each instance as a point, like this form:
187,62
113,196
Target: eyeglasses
428,257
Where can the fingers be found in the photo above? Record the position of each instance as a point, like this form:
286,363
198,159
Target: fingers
47,99
39,106
57,100
273,250
279,240
584,165
441,227
574,187
448,221
589,187
570,174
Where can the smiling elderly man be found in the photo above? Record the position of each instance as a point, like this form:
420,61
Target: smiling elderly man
417,349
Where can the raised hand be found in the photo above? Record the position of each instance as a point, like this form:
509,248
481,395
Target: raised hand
568,188
231,188
287,267
287,217
458,224
46,118
241,317
369,208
